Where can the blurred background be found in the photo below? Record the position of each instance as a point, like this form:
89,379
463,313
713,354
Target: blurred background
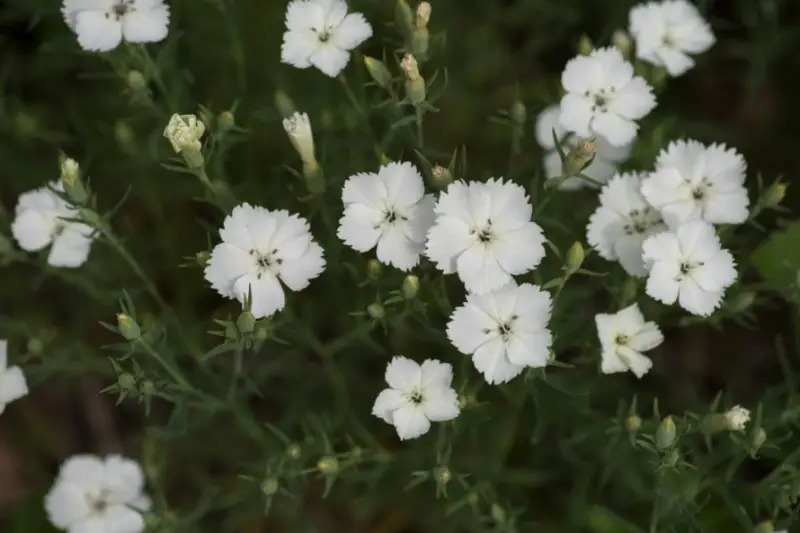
224,55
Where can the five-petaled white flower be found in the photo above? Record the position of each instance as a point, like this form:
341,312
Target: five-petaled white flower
98,495
622,222
321,33
484,232
668,33
389,209
736,418
504,331
604,97
12,381
690,266
694,181
623,337
417,395
102,24
40,222
602,167
259,249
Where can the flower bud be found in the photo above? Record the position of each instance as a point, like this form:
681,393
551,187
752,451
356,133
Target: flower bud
35,346
764,527
404,18
736,418
442,475
71,179
226,121
284,104
623,42
666,433
442,177
633,423
420,41
585,45
270,486
671,459
376,311
293,451
202,258
148,388
328,465
128,327
518,112
126,381
415,84
246,322
374,269
498,514
184,133
575,257
136,81
314,179
580,156
298,127
410,287
124,135
423,15
759,438
378,72
774,195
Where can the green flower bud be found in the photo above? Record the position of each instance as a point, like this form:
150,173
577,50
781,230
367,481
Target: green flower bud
148,388
136,81
420,41
91,217
128,327
671,459
415,84
270,486
498,514
284,104
293,451
376,311
126,381
226,121
442,177
124,135
666,434
328,465
404,18
774,195
764,527
246,322
410,287
35,346
623,42
579,157
518,112
262,333
202,258
231,333
575,257
633,423
374,269
315,181
378,72
759,438
585,45
442,475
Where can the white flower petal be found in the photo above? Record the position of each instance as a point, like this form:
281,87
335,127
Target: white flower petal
226,265
576,114
397,250
329,59
267,294
403,374
479,270
617,130
32,230
436,374
441,404
12,385
96,32
352,31
697,301
146,26
387,402
410,422
490,360
297,47
66,504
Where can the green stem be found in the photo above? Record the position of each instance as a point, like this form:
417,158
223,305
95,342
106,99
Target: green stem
420,137
175,374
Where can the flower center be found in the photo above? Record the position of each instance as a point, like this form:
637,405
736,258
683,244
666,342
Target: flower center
505,329
600,99
415,397
324,35
686,268
621,339
640,221
120,9
485,234
266,262
98,503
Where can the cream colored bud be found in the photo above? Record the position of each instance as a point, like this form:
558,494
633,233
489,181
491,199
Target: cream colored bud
69,170
410,287
736,418
441,176
185,132
580,156
298,127
410,67
423,15
328,465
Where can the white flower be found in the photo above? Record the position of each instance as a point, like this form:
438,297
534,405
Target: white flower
417,395
622,222
184,133
102,24
693,181
98,495
260,247
484,232
504,331
12,381
604,97
690,266
39,222
298,127
668,32
736,418
389,209
623,338
321,33
602,167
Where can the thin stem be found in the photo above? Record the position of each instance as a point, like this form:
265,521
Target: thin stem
420,137
176,375
237,370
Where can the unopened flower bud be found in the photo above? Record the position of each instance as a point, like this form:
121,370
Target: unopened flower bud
580,156
442,177
126,381
136,81
736,418
518,112
765,527
128,327
328,465
226,121
148,388
124,135
374,269
498,514
623,42
666,434
202,258
293,451
270,486
774,195
404,18
415,85
231,332
420,40
70,178
410,287
298,127
314,179
759,438
633,423
442,475
423,15
376,311
575,257
378,72
284,104
35,346
246,322
184,133
671,459
585,45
